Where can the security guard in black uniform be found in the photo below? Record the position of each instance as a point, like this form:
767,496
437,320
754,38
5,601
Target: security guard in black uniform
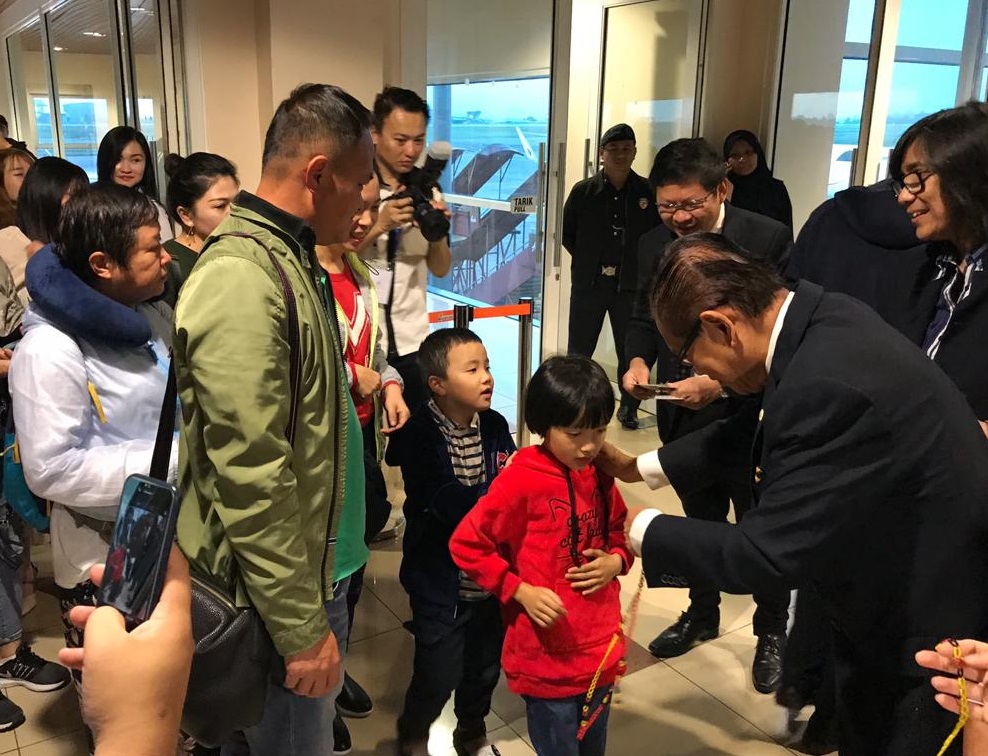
602,220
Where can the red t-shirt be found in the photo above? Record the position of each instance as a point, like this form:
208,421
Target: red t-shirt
358,329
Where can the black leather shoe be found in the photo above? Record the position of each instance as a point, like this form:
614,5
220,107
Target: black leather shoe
353,700
341,737
680,637
766,670
628,417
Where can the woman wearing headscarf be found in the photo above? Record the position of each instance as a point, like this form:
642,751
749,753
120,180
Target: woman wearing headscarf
755,188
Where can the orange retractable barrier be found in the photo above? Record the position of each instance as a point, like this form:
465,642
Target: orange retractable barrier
500,311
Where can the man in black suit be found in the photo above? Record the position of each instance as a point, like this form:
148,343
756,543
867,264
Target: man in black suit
603,219
869,473
689,180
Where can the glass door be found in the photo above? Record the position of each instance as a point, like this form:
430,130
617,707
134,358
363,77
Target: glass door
649,79
489,83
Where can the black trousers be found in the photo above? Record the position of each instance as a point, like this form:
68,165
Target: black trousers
463,660
587,307
713,504
882,713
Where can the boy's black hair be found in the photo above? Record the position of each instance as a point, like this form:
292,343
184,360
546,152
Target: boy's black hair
433,355
567,392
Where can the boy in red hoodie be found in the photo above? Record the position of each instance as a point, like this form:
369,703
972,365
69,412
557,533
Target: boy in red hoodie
548,541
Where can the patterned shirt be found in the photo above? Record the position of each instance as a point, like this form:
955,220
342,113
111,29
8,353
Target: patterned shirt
466,452
957,285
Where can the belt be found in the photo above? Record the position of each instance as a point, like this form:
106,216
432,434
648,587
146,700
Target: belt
609,270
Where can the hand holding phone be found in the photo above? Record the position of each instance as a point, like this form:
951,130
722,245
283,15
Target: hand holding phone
138,555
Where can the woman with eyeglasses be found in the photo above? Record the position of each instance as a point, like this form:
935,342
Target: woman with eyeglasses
755,188
939,171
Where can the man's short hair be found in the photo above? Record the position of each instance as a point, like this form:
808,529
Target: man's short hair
705,271
433,355
4,126
397,98
316,117
687,161
102,218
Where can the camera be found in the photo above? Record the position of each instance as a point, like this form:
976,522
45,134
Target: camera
419,184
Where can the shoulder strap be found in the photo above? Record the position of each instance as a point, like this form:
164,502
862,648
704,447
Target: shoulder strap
166,422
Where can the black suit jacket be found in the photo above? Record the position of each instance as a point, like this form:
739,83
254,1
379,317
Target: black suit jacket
870,478
588,228
763,238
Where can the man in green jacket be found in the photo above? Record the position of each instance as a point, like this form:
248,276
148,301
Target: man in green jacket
279,521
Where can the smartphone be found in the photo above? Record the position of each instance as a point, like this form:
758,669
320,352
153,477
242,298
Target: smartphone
660,389
138,555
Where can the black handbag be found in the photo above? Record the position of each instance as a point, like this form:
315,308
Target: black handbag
234,656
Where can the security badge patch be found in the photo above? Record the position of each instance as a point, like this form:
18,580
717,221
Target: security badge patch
642,203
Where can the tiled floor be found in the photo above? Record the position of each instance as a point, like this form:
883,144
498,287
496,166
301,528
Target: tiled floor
701,704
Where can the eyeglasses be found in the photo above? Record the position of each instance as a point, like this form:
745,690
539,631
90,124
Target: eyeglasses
690,206
691,337
914,182
737,157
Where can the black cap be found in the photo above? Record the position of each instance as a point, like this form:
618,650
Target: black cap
622,132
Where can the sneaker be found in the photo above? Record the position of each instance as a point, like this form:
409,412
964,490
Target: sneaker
11,715
479,747
33,672
341,737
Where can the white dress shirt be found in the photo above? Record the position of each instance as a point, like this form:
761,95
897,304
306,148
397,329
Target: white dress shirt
649,465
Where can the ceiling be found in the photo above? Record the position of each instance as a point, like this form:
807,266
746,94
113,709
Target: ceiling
69,23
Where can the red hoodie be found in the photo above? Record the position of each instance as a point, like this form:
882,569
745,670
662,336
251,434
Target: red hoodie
520,532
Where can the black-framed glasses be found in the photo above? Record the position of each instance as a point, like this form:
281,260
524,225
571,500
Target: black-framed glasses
691,337
689,206
914,182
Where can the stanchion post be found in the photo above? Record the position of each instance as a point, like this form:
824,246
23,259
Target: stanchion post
524,366
461,316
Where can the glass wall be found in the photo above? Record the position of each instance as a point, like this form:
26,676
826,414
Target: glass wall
76,46
31,120
822,96
489,83
88,96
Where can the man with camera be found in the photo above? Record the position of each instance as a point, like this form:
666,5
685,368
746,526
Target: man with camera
399,247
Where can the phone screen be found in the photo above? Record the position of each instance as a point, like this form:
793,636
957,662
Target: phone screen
138,555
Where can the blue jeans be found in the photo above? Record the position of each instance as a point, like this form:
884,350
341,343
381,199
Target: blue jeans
554,722
294,725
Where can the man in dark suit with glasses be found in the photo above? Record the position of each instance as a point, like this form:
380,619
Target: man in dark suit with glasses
689,180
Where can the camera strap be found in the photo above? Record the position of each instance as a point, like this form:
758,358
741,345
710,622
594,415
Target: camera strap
394,238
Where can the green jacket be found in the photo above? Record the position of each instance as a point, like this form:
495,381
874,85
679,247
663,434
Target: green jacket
246,492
